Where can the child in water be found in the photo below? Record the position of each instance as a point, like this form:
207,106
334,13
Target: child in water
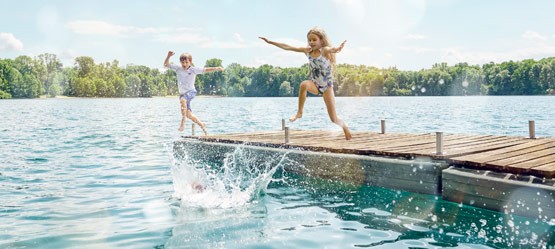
321,58
186,75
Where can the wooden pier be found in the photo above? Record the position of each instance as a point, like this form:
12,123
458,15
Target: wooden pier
506,154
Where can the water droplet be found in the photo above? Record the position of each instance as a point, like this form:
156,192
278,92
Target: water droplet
465,83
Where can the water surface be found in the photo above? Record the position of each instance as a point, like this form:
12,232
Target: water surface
97,173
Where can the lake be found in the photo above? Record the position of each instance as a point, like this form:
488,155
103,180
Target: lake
99,173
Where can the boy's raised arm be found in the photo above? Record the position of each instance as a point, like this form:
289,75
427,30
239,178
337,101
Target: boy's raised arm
285,46
167,60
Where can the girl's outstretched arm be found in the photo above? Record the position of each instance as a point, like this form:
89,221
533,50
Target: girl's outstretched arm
337,49
285,46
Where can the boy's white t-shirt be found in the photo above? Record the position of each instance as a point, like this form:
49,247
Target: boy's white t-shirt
186,77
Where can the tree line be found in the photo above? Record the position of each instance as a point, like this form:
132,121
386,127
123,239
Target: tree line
27,77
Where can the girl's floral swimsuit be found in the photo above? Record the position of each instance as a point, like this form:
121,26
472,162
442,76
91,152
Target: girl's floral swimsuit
320,72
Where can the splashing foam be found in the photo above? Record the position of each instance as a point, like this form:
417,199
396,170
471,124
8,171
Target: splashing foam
240,179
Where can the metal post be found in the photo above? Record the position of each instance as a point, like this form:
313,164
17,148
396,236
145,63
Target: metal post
286,135
439,143
282,124
532,128
193,129
382,122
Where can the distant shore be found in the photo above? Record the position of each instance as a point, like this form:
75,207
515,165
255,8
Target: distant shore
170,96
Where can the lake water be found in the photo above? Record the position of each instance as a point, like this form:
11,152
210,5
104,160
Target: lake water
99,173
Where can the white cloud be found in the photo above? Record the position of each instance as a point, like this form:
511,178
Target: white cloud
165,35
415,37
190,38
280,58
355,9
238,42
386,19
418,50
8,42
216,44
456,55
238,37
533,35
105,28
363,55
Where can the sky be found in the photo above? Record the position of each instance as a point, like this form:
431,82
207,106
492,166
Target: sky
407,34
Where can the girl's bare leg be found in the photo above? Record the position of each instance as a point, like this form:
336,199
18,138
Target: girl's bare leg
306,85
183,114
329,99
197,121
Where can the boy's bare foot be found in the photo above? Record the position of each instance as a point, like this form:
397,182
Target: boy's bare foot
297,116
181,128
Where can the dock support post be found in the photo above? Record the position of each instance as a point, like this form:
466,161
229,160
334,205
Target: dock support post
439,143
286,134
532,129
282,124
193,129
382,122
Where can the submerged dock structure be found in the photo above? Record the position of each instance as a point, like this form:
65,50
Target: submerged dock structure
494,172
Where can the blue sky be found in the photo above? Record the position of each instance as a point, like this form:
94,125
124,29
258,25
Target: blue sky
408,34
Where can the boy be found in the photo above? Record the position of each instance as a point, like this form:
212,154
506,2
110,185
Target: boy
186,75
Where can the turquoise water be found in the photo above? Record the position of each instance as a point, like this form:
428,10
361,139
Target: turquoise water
99,173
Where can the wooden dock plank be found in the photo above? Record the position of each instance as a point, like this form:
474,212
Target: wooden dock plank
546,170
462,150
453,144
535,162
534,153
501,153
521,148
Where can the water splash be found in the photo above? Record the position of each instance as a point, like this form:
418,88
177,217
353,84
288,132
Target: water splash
239,179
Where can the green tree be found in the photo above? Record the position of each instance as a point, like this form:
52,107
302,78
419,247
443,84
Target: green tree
84,65
285,89
54,90
133,83
213,83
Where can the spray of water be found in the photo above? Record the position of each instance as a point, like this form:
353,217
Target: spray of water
239,179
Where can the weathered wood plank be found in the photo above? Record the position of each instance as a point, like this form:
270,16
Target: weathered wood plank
521,148
499,153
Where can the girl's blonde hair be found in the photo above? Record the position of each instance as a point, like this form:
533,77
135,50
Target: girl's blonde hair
325,43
